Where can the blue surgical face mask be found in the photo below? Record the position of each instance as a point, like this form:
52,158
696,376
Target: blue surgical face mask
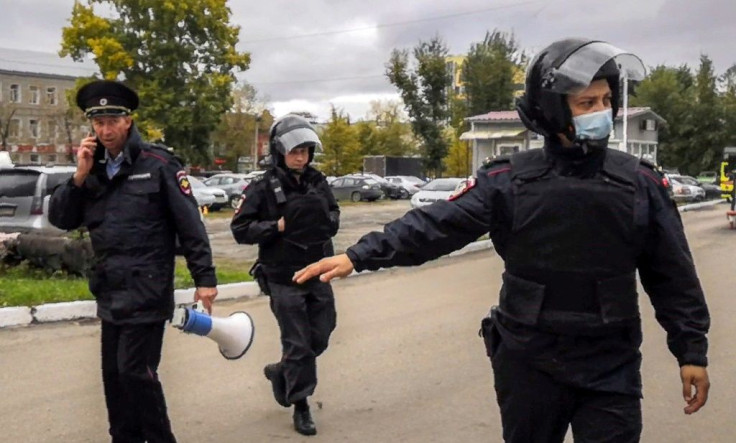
593,126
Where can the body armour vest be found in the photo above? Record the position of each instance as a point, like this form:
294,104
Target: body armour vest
571,255
307,234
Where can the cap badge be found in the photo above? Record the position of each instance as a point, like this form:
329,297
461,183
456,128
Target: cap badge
103,101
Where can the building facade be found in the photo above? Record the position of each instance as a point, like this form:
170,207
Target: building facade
37,124
502,133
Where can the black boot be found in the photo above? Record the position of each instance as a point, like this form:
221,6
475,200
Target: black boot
303,422
274,375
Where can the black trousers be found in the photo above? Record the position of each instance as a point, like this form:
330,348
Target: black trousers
306,317
536,408
136,407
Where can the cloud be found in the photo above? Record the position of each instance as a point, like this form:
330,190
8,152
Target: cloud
310,54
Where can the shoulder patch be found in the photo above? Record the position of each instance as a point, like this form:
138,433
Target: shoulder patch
183,181
464,187
499,159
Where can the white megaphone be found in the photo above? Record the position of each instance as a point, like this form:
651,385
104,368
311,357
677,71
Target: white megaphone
233,334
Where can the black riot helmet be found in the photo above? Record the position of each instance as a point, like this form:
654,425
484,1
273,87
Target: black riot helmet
290,132
568,67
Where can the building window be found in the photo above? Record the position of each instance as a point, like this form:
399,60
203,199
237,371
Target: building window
508,150
648,125
51,158
33,128
34,98
14,93
35,159
14,128
51,96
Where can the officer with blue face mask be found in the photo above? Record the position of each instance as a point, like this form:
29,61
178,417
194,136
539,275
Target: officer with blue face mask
573,222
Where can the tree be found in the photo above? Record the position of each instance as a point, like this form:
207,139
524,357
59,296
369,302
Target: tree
235,134
488,73
341,148
6,117
179,56
386,132
424,92
705,146
668,92
729,106
458,160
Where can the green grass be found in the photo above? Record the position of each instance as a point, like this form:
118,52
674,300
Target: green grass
25,286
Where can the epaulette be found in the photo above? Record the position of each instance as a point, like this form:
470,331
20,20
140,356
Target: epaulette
649,164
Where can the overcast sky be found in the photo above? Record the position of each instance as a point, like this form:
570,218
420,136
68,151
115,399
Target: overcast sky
308,54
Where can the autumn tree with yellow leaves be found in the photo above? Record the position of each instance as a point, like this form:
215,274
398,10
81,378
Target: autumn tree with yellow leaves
179,55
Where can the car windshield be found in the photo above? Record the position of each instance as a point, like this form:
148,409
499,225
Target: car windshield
196,183
370,181
685,180
411,179
441,184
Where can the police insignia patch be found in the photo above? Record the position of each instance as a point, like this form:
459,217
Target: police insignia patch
184,185
464,187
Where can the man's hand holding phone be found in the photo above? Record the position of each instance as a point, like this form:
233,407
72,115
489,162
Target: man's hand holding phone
85,158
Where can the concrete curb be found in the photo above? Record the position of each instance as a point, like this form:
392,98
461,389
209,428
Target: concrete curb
696,206
76,310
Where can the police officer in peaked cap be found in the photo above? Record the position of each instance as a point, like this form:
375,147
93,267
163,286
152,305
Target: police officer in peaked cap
291,214
135,200
573,222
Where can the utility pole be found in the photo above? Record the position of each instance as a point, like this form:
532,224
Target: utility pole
255,143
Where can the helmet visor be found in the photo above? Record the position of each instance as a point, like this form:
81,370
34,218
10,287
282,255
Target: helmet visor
299,137
575,72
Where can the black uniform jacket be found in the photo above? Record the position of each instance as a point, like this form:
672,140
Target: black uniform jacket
133,221
662,259
311,219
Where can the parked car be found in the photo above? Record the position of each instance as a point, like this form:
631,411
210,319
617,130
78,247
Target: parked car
213,198
390,190
356,189
437,189
232,184
409,183
708,177
24,197
686,189
712,191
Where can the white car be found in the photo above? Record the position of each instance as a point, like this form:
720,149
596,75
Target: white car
686,189
213,198
437,189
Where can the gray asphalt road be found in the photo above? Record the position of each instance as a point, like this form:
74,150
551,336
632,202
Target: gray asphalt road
405,365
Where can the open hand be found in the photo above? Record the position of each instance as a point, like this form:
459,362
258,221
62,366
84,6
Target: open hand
327,269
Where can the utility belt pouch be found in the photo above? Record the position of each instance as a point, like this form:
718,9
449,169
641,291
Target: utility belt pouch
256,271
489,332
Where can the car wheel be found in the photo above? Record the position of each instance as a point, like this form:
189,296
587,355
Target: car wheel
404,193
235,201
355,196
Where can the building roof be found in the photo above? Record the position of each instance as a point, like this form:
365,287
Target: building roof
496,116
44,63
513,116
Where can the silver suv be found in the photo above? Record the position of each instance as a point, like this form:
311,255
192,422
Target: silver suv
24,197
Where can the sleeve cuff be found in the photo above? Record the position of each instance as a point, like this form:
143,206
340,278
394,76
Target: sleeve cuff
208,280
355,259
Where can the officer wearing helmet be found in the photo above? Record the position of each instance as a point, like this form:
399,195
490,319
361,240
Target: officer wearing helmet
291,214
574,222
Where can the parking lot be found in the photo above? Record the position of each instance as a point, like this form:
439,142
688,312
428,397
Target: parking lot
356,219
